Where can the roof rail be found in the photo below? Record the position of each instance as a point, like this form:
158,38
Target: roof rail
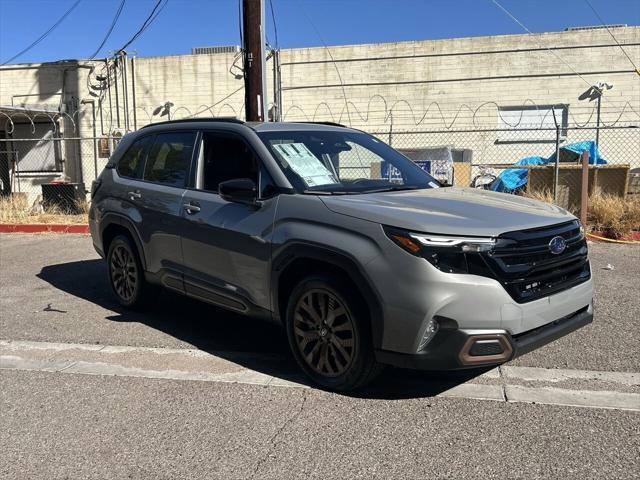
331,124
203,119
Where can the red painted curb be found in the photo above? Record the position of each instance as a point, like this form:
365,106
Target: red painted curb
42,228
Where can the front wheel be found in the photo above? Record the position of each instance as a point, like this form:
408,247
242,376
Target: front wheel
329,334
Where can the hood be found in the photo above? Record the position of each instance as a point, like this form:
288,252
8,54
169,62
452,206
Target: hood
451,210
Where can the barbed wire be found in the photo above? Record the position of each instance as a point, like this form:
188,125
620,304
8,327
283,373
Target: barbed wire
389,112
400,111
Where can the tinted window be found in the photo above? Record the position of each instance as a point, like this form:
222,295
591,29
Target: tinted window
130,163
226,158
169,159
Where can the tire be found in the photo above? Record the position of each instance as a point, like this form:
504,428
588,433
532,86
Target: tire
329,334
126,276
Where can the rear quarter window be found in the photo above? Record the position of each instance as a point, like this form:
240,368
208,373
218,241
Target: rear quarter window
169,160
130,164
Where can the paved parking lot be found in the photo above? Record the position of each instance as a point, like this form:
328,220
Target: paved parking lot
89,390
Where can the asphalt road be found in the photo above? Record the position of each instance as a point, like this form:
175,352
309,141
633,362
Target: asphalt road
66,423
54,288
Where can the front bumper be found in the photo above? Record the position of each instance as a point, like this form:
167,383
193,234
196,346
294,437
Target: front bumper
451,349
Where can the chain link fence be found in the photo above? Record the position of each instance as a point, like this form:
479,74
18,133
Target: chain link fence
486,158
482,158
27,164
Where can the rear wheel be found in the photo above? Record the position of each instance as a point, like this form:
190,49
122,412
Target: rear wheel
126,276
329,334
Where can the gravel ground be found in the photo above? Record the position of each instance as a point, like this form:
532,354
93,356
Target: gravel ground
74,426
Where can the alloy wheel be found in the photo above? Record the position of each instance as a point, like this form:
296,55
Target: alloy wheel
124,272
324,333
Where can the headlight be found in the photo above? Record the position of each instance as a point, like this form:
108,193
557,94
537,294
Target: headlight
448,253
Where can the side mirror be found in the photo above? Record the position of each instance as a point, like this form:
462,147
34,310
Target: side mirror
239,190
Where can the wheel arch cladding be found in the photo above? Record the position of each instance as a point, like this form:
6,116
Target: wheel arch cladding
299,260
113,225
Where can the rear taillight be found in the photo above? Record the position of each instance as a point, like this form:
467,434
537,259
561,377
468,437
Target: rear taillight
95,185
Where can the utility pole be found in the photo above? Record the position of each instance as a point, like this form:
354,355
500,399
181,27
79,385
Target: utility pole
255,87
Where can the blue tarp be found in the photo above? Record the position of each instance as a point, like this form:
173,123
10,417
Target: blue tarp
514,178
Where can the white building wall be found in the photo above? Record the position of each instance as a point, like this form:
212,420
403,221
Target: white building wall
444,85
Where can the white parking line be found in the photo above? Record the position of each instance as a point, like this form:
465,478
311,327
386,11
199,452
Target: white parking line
134,362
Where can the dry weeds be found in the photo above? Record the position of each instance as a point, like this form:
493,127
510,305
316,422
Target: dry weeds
15,209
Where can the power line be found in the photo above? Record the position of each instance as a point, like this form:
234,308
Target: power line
45,34
210,107
240,24
275,25
540,45
113,24
335,65
612,36
149,20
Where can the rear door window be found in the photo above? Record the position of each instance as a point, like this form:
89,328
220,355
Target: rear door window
169,160
130,164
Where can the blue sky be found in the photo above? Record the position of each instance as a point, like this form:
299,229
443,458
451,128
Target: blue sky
189,23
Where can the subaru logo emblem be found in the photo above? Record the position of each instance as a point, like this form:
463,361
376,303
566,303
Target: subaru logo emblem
557,245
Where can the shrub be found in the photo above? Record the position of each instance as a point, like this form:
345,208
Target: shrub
15,209
618,216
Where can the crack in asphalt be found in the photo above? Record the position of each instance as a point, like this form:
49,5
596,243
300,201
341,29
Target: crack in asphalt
503,385
273,442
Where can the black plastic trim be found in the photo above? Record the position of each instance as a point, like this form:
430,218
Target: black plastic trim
112,218
297,250
442,353
536,338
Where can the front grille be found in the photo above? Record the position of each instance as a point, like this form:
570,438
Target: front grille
524,264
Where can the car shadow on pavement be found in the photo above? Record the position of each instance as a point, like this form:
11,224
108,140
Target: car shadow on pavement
252,343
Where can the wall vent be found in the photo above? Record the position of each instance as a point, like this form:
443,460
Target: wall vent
212,50
596,27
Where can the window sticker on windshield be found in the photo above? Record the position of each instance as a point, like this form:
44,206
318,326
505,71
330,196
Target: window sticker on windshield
434,185
305,164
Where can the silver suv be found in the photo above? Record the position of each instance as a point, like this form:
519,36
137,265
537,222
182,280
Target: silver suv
357,252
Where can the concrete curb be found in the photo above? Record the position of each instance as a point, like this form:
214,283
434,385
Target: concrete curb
42,228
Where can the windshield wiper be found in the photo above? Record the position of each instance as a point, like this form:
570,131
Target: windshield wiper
395,188
324,192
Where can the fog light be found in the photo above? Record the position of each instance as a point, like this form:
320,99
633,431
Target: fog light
429,333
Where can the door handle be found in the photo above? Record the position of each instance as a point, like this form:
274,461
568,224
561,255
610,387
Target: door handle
190,208
134,195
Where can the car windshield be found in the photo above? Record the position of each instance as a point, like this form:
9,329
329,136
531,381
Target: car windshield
342,162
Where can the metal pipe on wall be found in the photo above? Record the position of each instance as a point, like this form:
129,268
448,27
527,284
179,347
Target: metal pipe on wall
106,63
133,92
117,93
125,90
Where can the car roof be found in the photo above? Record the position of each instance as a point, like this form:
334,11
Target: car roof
256,126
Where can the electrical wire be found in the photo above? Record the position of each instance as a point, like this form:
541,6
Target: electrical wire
111,27
612,36
335,65
45,34
496,3
150,19
275,25
217,103
240,24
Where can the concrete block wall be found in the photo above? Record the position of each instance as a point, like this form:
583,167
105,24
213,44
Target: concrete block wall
460,73
425,85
